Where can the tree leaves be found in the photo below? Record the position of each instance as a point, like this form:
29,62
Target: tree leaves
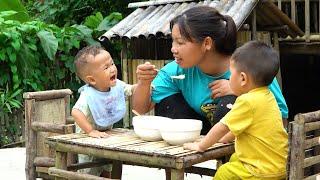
49,43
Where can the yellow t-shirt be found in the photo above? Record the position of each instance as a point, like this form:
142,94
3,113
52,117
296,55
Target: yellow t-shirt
261,141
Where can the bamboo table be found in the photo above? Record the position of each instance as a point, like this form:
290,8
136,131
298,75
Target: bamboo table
124,146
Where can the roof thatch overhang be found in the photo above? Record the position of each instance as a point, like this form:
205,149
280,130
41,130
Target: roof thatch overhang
151,19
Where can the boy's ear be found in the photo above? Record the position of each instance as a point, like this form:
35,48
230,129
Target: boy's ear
244,79
90,80
208,43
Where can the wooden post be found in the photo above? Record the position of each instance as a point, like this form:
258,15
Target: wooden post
177,174
116,170
315,16
254,25
307,19
124,65
297,149
61,162
279,4
276,47
293,10
31,140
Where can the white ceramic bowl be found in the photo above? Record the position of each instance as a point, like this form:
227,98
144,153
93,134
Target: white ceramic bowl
179,131
147,127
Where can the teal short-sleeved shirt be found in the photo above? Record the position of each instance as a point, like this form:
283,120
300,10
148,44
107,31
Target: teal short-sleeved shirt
195,90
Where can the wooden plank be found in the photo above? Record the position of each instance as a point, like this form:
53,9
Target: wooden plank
47,95
311,161
44,162
297,151
49,127
73,175
310,116
311,142
312,126
61,162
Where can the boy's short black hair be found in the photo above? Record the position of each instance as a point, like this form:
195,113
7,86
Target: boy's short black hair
259,60
82,57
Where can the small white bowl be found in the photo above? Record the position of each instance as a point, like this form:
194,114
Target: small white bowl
147,127
179,131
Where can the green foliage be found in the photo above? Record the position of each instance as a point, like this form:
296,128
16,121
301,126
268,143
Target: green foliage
68,12
9,101
36,56
15,5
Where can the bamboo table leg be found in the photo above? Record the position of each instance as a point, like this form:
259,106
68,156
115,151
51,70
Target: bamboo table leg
177,174
61,162
168,173
116,170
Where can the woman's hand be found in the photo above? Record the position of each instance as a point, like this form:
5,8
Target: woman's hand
146,73
220,88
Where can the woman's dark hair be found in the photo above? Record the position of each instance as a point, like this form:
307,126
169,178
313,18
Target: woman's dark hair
200,22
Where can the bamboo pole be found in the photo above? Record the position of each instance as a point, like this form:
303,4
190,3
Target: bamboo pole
50,127
293,10
254,25
307,19
124,65
315,16
61,162
44,162
279,4
73,175
277,48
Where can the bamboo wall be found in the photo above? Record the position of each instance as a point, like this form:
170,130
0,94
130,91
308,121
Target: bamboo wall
306,14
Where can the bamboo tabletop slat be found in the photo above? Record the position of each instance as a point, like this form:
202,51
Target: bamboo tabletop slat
125,140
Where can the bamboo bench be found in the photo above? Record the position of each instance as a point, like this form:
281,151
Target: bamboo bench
304,149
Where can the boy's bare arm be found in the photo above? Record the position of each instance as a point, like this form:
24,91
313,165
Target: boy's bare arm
229,137
213,136
82,122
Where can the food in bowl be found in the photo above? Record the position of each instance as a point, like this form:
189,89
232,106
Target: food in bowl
179,131
147,127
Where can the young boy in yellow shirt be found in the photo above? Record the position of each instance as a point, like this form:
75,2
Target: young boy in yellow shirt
261,142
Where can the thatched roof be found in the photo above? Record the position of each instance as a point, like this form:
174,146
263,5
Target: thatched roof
151,19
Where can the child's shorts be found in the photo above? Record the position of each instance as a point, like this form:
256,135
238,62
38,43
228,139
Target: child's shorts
235,170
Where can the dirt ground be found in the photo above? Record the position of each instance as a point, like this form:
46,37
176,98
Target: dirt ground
12,162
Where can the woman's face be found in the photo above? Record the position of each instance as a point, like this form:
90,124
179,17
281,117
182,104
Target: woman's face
187,54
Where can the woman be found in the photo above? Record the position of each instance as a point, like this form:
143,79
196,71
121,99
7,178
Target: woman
203,41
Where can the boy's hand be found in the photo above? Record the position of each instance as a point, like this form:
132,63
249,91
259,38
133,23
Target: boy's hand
146,73
193,146
97,134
